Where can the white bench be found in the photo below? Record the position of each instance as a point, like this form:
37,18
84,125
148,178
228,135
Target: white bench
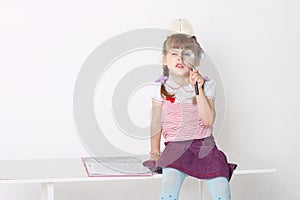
48,172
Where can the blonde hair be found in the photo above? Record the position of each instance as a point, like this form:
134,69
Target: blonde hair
175,41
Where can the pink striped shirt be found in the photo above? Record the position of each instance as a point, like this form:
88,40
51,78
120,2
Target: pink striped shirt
180,119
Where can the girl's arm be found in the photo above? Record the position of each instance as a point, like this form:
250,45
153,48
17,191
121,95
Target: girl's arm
206,106
155,130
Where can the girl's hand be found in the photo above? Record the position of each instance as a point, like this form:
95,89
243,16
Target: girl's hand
195,76
154,155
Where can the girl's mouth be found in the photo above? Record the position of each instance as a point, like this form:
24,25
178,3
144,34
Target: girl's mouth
178,65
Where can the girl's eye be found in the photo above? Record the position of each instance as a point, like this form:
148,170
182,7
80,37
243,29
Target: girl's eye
174,53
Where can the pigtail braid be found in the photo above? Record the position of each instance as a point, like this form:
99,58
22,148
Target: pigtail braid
163,92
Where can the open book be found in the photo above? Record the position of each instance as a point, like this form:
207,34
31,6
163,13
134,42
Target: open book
115,166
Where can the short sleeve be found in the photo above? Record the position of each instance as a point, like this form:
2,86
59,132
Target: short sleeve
210,89
154,92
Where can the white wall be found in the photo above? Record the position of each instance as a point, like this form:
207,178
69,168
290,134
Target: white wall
254,45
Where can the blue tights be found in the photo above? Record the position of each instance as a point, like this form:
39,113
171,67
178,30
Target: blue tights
173,179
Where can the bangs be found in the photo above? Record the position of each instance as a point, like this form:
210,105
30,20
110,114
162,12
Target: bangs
178,41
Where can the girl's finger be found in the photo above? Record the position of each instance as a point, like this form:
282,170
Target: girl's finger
193,77
197,77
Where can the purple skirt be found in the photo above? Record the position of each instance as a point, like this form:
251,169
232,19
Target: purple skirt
199,158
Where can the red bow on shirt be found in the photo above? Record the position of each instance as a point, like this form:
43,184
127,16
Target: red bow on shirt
171,99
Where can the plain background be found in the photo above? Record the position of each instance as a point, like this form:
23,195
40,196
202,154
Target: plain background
254,45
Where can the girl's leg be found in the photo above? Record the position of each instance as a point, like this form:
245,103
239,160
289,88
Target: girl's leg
172,180
219,188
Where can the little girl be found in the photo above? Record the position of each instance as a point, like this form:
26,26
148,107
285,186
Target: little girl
185,120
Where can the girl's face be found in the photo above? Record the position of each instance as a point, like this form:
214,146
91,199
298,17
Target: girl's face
174,62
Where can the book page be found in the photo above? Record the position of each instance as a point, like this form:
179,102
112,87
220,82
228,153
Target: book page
115,166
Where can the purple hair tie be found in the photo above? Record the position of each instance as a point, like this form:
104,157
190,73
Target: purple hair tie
162,80
205,78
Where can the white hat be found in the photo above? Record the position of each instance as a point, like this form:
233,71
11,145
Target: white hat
181,26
